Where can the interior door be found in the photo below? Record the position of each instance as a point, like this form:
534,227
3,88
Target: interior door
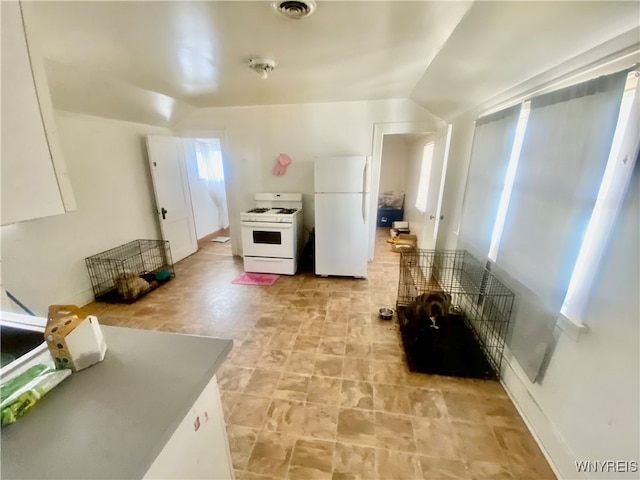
435,192
173,198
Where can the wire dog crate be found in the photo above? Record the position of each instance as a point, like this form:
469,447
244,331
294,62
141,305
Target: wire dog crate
453,314
125,273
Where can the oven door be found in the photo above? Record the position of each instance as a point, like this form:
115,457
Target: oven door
264,239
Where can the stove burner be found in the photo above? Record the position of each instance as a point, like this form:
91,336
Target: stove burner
286,211
258,210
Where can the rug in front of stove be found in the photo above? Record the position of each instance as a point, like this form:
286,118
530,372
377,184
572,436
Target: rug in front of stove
255,279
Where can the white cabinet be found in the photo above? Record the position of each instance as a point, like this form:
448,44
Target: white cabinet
34,179
198,448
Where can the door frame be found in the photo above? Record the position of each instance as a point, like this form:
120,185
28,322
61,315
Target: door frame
444,132
221,135
379,131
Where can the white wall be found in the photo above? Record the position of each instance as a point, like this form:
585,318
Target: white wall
395,153
591,390
586,407
256,135
43,260
205,213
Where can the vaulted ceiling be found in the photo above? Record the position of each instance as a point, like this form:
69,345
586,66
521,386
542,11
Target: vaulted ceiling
155,61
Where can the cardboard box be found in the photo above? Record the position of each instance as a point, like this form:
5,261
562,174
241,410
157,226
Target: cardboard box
404,242
400,226
74,338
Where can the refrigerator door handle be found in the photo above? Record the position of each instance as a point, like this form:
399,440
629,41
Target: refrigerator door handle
364,189
364,174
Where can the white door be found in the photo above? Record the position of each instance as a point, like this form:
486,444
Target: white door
173,198
434,214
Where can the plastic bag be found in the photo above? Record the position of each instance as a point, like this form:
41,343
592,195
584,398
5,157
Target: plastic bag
19,394
391,199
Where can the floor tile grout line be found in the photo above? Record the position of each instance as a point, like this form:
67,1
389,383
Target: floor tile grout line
322,316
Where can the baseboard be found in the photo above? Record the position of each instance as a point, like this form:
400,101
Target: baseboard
553,446
81,299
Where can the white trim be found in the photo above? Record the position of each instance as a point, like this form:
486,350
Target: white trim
425,177
443,177
570,328
555,449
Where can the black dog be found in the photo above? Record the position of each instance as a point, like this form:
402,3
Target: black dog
427,309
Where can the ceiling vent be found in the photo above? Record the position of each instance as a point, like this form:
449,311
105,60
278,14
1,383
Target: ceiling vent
262,66
295,9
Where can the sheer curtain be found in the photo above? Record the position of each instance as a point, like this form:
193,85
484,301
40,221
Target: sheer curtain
492,145
562,162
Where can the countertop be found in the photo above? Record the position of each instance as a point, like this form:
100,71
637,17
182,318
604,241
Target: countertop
111,420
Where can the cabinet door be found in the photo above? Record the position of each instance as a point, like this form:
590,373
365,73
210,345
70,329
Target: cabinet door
31,182
199,448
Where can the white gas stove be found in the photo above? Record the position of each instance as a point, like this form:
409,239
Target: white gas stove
272,233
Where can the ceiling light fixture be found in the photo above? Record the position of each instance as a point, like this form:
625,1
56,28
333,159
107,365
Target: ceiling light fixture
294,9
262,66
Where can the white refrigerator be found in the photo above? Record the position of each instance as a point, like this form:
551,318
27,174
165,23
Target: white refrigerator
341,186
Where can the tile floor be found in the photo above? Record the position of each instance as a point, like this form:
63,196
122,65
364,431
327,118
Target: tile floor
317,387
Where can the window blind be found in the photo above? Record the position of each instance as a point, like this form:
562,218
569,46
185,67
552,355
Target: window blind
563,158
492,144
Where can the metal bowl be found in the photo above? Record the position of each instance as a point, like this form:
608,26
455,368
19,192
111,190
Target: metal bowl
386,313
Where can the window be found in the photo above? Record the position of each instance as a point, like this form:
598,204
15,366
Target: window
510,176
209,161
610,197
566,176
493,144
425,177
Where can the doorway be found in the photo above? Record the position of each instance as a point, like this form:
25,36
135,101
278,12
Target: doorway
399,153
208,191
190,191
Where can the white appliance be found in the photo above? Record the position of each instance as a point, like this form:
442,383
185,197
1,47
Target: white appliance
341,217
272,233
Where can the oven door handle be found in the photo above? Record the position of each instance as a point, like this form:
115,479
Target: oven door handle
275,226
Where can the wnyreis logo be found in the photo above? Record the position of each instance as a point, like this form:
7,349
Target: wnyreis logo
607,466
